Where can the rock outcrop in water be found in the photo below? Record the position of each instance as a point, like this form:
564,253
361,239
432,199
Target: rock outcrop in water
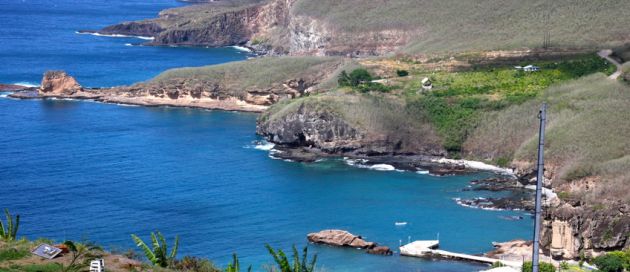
339,238
57,83
342,238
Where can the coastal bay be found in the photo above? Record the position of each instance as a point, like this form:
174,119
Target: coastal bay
345,158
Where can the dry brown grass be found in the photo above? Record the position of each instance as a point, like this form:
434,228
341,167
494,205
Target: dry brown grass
454,25
587,134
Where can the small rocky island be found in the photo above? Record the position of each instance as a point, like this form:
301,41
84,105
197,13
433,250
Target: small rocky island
342,238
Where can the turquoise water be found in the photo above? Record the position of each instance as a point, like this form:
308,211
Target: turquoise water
77,170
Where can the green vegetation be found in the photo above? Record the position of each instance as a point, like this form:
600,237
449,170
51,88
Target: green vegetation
298,265
361,80
9,233
402,73
159,254
79,253
543,267
235,266
8,254
458,100
453,25
615,261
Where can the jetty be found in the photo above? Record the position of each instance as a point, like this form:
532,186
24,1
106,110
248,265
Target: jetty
429,249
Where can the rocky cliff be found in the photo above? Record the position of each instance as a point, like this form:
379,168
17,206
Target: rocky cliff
269,27
375,126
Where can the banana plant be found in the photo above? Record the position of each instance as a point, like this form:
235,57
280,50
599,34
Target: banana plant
298,265
158,255
79,251
235,265
10,232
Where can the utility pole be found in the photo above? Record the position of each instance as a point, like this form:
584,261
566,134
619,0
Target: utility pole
539,185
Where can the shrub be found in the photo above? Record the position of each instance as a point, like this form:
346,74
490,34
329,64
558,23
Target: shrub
10,232
359,76
80,252
503,162
189,263
159,254
355,78
235,266
609,263
12,254
402,73
543,267
564,265
298,265
373,87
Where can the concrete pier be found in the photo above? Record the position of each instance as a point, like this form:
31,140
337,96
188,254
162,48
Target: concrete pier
428,249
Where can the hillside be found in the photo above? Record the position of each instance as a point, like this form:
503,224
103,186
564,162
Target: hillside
489,114
360,27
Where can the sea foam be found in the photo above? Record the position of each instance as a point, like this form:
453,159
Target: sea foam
26,84
116,35
241,48
265,146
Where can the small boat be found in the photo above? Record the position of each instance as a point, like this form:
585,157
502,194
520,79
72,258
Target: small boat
400,223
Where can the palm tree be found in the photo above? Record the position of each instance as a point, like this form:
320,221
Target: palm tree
159,254
10,233
299,265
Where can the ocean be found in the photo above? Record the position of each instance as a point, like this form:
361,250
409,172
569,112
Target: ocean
85,170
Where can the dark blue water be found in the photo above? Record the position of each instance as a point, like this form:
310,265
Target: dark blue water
39,35
81,169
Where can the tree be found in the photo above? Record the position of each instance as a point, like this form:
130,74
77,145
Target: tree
358,76
344,79
543,267
159,254
10,232
609,263
299,265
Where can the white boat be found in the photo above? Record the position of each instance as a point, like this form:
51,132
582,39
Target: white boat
400,223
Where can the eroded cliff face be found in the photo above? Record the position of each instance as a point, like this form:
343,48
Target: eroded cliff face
268,27
311,126
206,94
570,231
349,125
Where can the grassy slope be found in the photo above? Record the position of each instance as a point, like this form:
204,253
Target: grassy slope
258,73
586,135
459,99
489,24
